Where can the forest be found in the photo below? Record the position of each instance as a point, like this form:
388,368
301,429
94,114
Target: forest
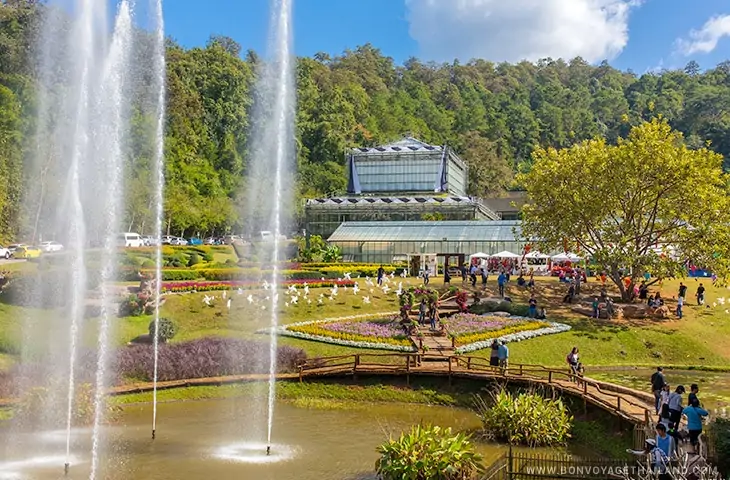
494,114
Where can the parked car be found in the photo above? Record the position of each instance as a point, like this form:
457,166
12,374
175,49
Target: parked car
194,241
150,241
178,241
130,239
167,239
14,247
51,246
5,252
26,251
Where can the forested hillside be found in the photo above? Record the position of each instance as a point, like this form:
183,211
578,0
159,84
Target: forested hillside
493,114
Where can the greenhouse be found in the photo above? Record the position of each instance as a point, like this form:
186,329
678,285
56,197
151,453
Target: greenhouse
386,242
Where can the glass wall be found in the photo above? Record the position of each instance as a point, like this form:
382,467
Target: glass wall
383,252
456,175
416,172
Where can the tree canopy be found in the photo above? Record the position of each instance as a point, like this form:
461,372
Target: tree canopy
495,115
645,204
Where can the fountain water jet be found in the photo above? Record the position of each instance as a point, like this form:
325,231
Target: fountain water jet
159,78
270,174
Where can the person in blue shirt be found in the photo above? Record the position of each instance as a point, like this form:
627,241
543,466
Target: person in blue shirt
694,414
503,355
501,280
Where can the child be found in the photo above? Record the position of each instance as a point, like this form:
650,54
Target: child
596,311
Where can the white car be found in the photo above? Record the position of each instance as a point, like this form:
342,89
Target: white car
129,239
178,241
51,246
5,252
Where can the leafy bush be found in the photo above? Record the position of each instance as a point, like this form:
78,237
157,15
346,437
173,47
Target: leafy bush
719,438
132,306
193,260
429,453
525,419
209,257
148,263
509,307
166,329
205,357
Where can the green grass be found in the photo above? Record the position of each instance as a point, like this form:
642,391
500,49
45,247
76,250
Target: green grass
319,393
601,437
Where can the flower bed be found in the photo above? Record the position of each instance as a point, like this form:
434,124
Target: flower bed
364,331
515,332
203,286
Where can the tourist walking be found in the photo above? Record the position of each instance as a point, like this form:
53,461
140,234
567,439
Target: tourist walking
381,272
573,359
531,282
568,298
682,290
503,355
426,276
463,273
494,354
664,405
434,315
693,391
680,304
700,295
484,276
501,280
675,410
473,275
694,414
657,385
422,308
662,455
596,311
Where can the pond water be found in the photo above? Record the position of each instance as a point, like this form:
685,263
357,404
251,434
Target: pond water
195,441
714,386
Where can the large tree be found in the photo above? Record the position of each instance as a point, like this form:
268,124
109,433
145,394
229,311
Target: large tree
648,203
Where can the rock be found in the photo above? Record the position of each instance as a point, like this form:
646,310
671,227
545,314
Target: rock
662,312
500,314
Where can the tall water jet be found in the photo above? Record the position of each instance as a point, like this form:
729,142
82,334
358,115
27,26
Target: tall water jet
271,164
112,120
159,169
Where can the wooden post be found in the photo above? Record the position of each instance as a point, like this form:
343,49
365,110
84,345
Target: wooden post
550,376
510,464
300,374
520,369
585,388
468,363
357,360
618,403
449,370
453,342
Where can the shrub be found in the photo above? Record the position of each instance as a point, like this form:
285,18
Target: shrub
509,307
205,357
525,419
209,257
429,453
193,260
719,438
148,263
166,329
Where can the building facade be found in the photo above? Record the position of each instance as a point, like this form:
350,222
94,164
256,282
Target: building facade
407,180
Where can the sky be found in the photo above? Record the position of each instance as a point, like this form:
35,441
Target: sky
641,35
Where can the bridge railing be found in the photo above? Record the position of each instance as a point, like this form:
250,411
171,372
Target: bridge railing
607,395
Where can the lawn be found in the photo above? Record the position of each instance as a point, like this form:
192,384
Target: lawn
701,339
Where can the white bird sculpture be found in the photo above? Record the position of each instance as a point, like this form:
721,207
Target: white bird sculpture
348,275
223,294
228,304
250,298
366,300
294,299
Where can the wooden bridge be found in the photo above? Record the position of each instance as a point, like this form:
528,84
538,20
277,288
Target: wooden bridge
632,405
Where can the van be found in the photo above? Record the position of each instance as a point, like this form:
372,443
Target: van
133,240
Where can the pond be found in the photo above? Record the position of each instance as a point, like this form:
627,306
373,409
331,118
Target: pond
714,386
195,440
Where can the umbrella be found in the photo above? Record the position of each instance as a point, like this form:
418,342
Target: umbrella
505,254
479,255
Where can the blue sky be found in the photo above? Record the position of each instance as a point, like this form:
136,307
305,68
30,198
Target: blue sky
637,34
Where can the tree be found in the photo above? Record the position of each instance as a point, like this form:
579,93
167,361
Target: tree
622,204
489,174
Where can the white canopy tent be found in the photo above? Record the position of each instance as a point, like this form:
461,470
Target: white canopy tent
479,255
537,255
566,257
505,254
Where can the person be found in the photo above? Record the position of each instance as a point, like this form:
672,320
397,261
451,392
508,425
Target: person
494,354
501,280
663,453
473,275
693,391
675,409
596,311
664,405
532,310
434,315
422,312
578,278
503,355
531,282
521,282
700,295
694,414
447,276
426,275
680,304
568,298
682,290
484,276
643,291
573,359
381,272
541,314
463,273
657,385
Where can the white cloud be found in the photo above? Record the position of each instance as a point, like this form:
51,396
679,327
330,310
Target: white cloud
513,30
705,39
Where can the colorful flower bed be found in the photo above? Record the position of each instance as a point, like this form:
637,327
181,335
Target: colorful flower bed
367,331
468,328
203,286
